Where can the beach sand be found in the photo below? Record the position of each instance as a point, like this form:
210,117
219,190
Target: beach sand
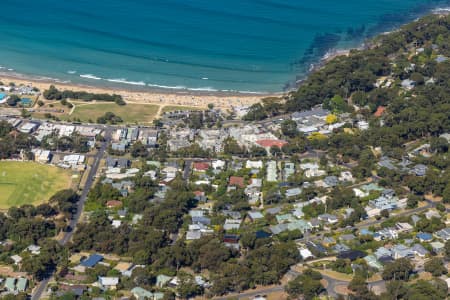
182,98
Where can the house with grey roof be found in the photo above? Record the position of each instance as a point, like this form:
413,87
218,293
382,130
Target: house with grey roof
279,228
443,234
402,251
328,218
255,215
231,224
347,237
331,181
419,250
419,170
294,192
372,262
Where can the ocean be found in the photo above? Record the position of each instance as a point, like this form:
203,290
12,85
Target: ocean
256,46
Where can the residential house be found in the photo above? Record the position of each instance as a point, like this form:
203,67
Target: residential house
255,215
108,283
237,181
254,164
272,171
424,237
443,234
347,237
305,253
289,170
312,170
91,261
218,164
201,166
419,250
389,233
346,176
141,294
231,241
328,218
162,280
294,192
122,163
231,224
372,262
437,247
17,259
331,181
403,227
430,214
125,268
10,284
402,251
419,170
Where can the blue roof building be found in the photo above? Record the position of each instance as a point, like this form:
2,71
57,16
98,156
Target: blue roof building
424,237
92,260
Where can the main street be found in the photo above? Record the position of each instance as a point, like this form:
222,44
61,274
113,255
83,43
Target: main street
42,286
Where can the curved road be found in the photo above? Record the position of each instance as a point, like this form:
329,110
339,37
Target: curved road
39,290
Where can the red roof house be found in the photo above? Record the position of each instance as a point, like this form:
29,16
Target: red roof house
270,143
201,166
380,111
114,204
237,181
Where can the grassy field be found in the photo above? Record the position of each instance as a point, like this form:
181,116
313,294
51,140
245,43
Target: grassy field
30,183
130,113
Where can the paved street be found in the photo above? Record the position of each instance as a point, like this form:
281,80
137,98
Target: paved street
42,286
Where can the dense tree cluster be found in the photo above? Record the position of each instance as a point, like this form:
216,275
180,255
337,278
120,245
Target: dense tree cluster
12,142
109,118
54,94
75,142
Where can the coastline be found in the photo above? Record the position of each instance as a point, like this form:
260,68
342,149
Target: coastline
135,92
200,99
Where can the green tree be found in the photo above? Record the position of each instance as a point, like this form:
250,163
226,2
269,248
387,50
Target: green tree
289,128
400,269
435,266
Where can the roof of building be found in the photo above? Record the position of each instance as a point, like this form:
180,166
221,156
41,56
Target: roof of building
255,215
201,166
380,111
123,266
237,181
21,284
92,260
114,203
108,281
424,236
352,254
10,283
141,293
271,143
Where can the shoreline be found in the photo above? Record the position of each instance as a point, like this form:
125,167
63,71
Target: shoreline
201,99
182,96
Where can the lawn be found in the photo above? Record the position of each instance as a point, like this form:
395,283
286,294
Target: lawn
130,113
30,183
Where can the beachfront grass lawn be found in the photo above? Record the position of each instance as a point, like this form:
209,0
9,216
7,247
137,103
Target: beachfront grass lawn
130,113
30,183
169,108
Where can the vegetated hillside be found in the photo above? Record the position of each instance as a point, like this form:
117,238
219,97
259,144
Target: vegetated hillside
388,55
418,51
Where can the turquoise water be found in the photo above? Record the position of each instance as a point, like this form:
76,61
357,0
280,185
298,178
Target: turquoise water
239,45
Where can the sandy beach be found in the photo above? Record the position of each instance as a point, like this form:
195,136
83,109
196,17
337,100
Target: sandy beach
181,98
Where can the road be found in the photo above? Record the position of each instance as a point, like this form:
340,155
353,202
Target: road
42,286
